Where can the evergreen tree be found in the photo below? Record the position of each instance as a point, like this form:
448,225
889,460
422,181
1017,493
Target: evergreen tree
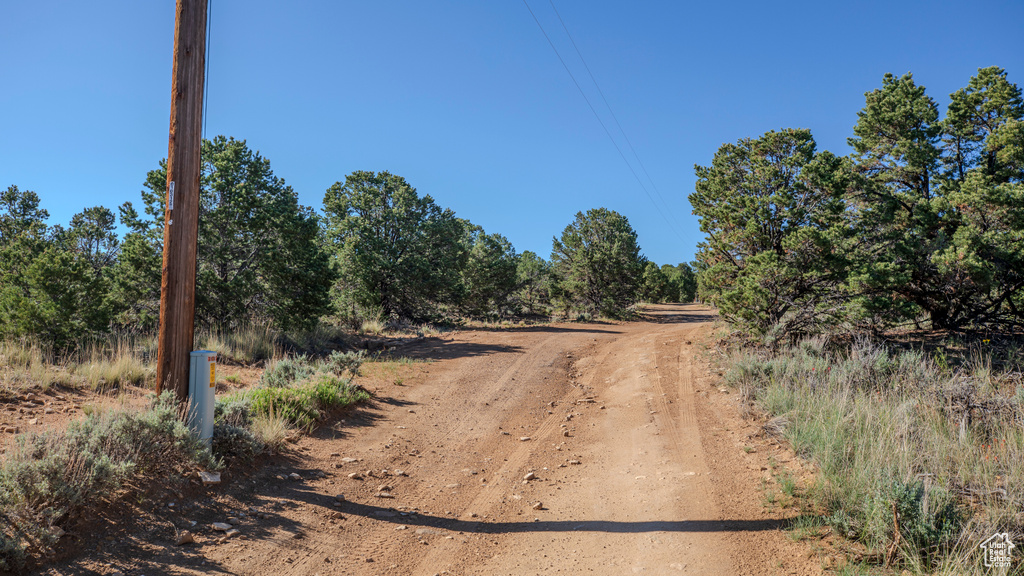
533,275
983,193
397,251
656,286
490,275
772,211
260,255
598,262
682,282
49,291
898,210
936,209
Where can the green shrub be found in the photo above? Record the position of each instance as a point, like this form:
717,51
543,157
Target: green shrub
305,404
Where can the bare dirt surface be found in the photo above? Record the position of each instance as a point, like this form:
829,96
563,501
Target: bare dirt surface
557,449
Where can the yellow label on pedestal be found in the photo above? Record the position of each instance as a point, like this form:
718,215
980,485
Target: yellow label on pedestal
213,374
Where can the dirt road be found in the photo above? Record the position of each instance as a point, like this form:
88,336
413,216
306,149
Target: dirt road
562,449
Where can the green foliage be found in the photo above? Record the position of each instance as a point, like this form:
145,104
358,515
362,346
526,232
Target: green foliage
57,298
533,275
922,222
939,220
598,263
656,287
490,275
303,405
396,250
668,283
772,211
260,256
92,236
135,279
20,215
897,214
49,290
682,282
297,390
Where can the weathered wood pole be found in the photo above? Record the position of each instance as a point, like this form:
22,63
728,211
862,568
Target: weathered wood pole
181,215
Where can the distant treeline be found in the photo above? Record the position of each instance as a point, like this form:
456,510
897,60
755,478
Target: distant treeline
380,251
921,225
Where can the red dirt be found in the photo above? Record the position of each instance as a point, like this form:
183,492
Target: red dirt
641,465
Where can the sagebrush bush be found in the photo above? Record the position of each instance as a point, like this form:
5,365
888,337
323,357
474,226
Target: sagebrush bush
345,363
49,477
234,412
287,371
235,443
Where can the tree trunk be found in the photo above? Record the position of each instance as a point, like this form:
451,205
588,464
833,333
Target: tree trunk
939,318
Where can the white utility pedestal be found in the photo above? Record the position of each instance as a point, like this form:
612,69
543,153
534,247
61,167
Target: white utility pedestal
202,382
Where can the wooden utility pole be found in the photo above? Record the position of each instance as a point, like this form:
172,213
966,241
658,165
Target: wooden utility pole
181,215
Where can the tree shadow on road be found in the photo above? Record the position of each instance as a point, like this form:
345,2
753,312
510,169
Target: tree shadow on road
440,524
484,527
440,348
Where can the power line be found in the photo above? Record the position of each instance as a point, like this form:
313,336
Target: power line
609,106
600,121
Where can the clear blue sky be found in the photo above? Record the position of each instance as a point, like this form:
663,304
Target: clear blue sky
466,99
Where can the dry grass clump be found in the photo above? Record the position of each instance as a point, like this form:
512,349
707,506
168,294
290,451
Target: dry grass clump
918,461
245,345
271,429
372,327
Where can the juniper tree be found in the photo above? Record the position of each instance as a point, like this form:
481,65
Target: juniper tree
260,255
598,262
771,208
396,250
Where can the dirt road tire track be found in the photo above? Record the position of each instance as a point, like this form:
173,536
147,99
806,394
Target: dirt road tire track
635,464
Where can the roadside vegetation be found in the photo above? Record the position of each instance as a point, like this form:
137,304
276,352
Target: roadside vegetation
380,255
876,303
918,459
50,479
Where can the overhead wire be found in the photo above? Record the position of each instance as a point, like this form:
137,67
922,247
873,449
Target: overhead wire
610,111
601,122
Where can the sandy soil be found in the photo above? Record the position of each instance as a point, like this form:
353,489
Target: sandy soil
637,464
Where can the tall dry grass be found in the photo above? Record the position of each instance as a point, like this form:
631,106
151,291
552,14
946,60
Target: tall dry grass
899,431
108,361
